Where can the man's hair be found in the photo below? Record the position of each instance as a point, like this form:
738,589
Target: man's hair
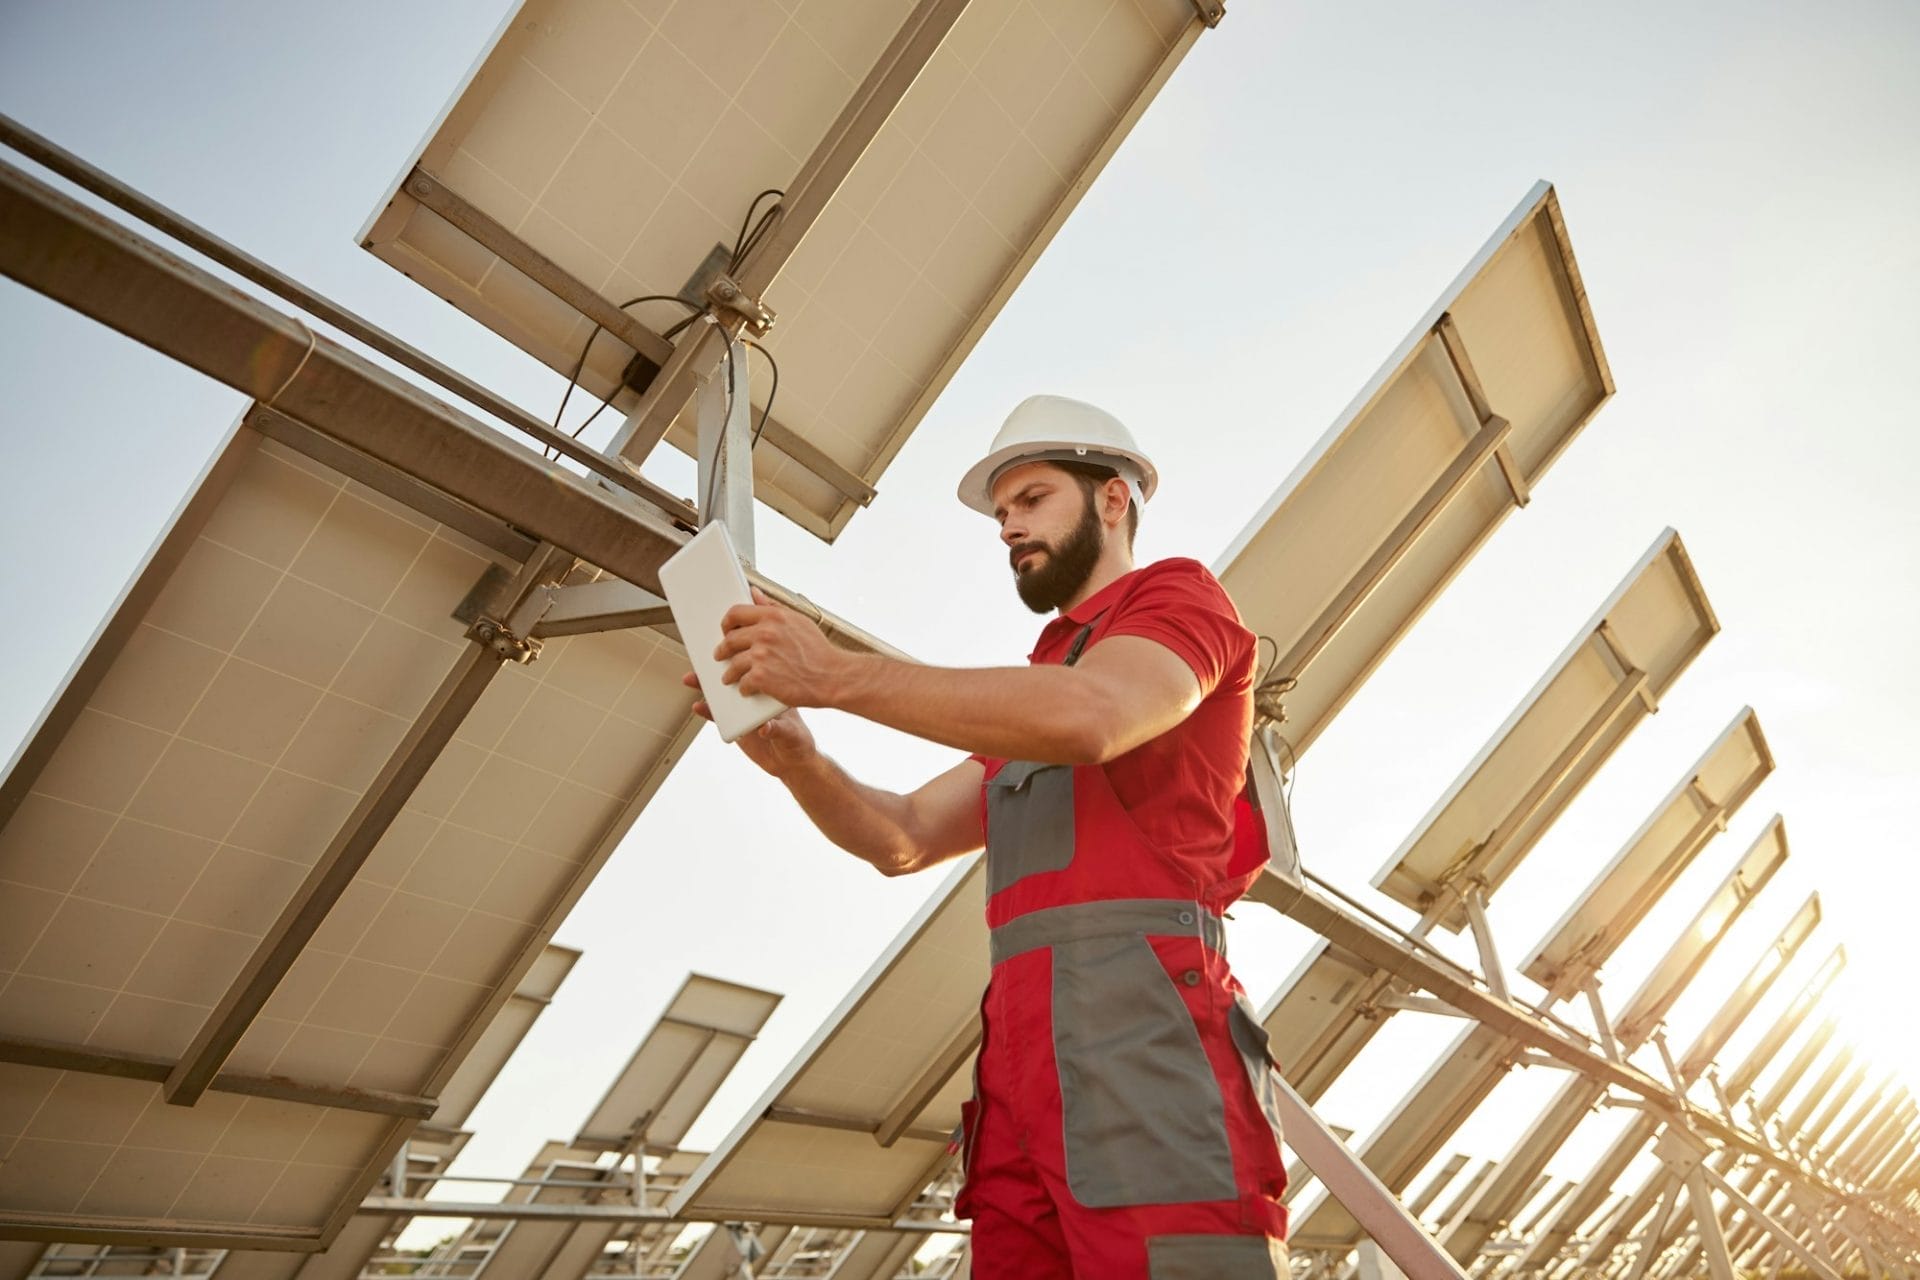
1090,476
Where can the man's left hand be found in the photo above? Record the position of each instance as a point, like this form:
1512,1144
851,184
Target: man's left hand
773,650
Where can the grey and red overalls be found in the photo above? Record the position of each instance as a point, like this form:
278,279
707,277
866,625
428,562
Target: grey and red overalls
1123,1125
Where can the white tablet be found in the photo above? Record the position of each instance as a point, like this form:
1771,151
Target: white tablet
703,580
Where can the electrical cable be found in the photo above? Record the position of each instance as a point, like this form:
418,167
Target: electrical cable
573,379
773,389
745,242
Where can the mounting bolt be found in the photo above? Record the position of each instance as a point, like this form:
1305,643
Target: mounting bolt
727,289
421,186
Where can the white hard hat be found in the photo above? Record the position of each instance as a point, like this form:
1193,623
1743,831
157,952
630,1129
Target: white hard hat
1056,429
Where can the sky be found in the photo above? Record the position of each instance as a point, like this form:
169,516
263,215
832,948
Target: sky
1739,183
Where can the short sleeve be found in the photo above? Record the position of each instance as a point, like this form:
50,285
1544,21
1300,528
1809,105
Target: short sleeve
1181,606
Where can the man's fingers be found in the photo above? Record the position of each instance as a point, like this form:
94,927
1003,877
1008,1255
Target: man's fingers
735,671
761,597
702,710
690,680
743,615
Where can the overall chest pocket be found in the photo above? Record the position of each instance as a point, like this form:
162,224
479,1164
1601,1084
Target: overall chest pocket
1029,822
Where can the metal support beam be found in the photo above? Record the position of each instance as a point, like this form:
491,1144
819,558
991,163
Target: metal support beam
533,1211
1477,397
1475,901
606,605
1650,1239
329,877
725,406
246,266
1412,1003
27,1052
1633,687
1485,443
1708,1177
86,261
806,198
1349,1181
1602,1026
490,235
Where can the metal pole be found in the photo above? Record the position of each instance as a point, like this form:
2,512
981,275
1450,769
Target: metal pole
726,449
1377,1210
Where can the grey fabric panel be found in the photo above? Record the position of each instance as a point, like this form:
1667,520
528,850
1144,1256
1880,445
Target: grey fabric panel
1155,917
1029,822
1250,1038
1144,1121
1216,1258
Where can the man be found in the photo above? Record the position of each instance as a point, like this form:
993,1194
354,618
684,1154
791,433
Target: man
1123,1126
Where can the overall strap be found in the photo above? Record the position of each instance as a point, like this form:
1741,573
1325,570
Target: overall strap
1080,639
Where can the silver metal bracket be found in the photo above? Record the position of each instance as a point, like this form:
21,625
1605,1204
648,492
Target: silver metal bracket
506,645
1210,11
725,407
725,295
1474,898
1270,790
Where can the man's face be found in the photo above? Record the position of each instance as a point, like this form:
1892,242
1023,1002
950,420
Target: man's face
1052,531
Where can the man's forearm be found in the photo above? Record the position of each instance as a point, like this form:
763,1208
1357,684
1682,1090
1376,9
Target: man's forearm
871,824
1016,713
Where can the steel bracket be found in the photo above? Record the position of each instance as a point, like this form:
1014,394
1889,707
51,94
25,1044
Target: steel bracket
724,294
506,645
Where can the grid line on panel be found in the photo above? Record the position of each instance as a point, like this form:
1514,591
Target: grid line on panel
173,736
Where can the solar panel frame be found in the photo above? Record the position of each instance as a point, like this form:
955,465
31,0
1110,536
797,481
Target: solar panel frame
802,1123
548,189
1329,1007
1606,683
1697,808
1415,446
243,450
706,1028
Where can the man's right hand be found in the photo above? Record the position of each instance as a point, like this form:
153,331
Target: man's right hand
779,746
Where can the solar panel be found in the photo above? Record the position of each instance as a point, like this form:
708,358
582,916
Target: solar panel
1603,686
1641,1128
428,1155
1478,1059
171,813
1636,1020
927,156
1450,436
1331,1005
876,1255
859,1122
1697,809
674,1073
431,1147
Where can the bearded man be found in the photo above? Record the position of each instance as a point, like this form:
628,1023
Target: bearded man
1123,1125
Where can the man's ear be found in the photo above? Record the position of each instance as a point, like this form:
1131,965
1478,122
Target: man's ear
1115,497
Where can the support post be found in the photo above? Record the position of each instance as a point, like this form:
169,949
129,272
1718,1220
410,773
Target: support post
460,689
1602,1025
1475,901
1347,1179
1650,1241
1708,1178
726,449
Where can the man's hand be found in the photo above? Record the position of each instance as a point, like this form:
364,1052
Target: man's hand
781,746
775,651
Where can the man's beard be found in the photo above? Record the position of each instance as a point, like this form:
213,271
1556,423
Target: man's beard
1066,567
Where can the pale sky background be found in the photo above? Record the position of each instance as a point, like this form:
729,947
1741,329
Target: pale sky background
1741,183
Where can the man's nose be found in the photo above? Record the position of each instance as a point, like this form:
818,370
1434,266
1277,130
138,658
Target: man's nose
1012,532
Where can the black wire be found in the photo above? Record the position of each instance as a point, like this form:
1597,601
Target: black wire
573,379
744,243
773,389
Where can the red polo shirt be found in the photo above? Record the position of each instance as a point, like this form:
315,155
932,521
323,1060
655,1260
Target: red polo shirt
1179,788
